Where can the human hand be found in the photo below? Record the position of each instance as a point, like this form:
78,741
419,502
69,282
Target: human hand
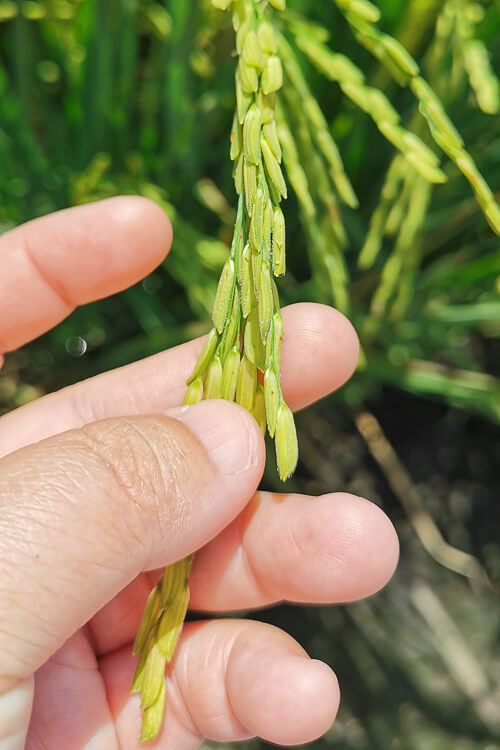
95,496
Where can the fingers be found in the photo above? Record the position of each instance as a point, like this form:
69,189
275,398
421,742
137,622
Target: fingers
230,680
320,353
73,257
324,550
329,549
70,708
82,514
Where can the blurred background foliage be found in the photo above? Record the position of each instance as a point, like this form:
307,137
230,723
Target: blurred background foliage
128,96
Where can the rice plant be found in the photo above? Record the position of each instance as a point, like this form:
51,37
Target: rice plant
386,122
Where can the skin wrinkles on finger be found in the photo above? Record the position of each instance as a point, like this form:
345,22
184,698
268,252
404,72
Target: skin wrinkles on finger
77,536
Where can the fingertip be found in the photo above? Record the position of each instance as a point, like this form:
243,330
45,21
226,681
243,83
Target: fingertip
287,698
386,552
320,352
316,700
101,248
369,546
343,548
229,434
142,225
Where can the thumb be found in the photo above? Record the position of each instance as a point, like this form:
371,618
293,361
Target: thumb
83,513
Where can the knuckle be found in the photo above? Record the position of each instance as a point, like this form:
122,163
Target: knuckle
147,460
130,463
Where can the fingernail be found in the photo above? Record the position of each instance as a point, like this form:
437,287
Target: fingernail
225,430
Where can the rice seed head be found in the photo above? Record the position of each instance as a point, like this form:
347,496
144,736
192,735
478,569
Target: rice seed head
270,133
256,261
466,165
251,53
171,622
481,76
150,616
314,113
239,16
249,78
433,111
152,717
450,137
357,93
287,450
236,139
222,4
153,675
259,409
265,304
251,135
400,55
492,213
267,228
362,9
278,4
231,333
250,183
274,342
252,341
194,393
245,280
276,297
224,296
244,27
273,170
381,108
205,356
393,133
213,383
175,579
421,151
272,76
266,106
238,174
267,38
247,384
256,231
333,65
137,680
230,374
243,100
272,399
279,254
425,170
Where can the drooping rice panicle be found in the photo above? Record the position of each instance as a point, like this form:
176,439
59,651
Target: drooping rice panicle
318,124
404,256
456,30
243,349
241,358
362,16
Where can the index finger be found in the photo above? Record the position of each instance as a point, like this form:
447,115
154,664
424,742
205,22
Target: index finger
320,352
53,264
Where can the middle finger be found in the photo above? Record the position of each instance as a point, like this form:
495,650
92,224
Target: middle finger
323,550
